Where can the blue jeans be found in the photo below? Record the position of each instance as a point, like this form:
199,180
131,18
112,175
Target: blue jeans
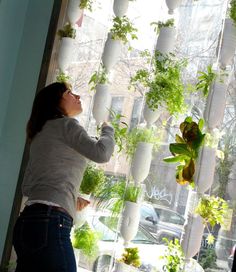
42,242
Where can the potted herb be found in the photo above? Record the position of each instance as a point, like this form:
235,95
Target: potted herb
228,43
102,97
158,25
121,30
173,257
129,261
67,35
205,79
139,145
164,83
131,213
86,4
121,129
86,240
186,149
93,178
213,210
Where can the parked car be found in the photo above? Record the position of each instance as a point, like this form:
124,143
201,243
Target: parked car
111,247
161,221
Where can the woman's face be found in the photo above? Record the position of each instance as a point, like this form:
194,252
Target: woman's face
71,104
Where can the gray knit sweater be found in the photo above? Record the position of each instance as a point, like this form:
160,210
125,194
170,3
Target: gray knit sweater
58,158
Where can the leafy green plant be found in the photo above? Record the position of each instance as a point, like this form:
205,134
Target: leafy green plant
98,77
164,83
67,31
85,239
121,129
207,258
132,193
63,78
86,4
232,10
93,178
213,210
185,150
131,257
205,79
158,25
136,135
122,29
173,257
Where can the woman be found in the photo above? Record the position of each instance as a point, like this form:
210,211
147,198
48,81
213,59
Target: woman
59,149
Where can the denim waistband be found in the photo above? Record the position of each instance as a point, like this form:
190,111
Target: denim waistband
46,209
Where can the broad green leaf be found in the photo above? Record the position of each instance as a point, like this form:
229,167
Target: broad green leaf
179,148
179,158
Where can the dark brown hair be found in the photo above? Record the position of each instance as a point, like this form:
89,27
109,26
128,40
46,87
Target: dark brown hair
46,107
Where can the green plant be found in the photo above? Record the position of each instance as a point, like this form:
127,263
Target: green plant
232,10
85,239
63,78
86,4
98,77
111,195
207,258
132,193
173,257
164,83
93,178
185,150
205,80
121,129
122,28
131,257
67,31
136,135
158,25
213,210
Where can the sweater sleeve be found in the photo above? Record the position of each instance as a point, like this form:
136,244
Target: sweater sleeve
99,151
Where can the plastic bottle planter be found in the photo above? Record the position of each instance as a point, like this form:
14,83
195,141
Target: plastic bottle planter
81,216
141,162
205,169
130,221
77,255
65,53
215,107
122,267
232,182
111,53
192,202
228,43
101,103
120,7
166,40
73,11
151,116
172,5
192,236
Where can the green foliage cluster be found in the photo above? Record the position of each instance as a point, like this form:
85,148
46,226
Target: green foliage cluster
85,239
185,150
158,25
213,210
174,256
205,79
120,128
122,29
86,4
132,193
67,31
164,83
207,258
136,135
232,10
98,77
93,178
63,78
131,257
